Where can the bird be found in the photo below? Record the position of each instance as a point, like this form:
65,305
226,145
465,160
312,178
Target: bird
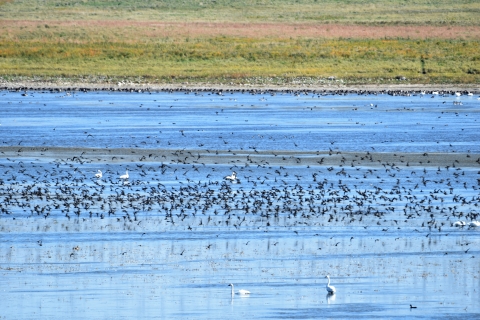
124,176
330,289
459,223
474,224
98,174
412,307
240,292
233,177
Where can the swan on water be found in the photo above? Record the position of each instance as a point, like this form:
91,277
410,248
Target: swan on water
124,176
233,177
98,174
474,224
330,289
459,223
240,292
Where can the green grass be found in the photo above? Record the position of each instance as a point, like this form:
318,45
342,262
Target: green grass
369,12
235,59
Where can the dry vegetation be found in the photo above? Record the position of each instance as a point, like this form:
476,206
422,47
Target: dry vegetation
154,31
219,41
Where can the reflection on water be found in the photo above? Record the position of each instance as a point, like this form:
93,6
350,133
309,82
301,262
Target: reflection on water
331,298
351,186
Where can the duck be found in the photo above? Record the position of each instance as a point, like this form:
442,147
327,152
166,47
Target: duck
240,292
330,289
98,174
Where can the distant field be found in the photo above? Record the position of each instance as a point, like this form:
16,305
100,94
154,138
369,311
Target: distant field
369,12
241,41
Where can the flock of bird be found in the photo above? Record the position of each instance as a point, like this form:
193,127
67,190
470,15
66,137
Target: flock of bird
384,196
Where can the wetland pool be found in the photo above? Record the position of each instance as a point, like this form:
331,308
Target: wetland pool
364,188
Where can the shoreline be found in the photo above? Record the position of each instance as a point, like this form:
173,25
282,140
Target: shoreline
333,87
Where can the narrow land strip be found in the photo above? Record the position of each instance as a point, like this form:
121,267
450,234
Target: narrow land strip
244,157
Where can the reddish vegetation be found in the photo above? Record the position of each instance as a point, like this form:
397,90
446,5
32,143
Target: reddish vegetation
257,30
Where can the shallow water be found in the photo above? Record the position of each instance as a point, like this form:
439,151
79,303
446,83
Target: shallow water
364,188
241,121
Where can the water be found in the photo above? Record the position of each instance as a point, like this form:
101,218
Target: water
362,187
241,121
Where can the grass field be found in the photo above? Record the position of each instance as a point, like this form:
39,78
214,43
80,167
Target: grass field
242,41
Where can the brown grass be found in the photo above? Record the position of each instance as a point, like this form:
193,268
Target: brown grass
148,30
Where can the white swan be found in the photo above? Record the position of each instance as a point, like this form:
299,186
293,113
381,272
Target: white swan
474,224
98,174
459,223
330,289
124,176
233,177
240,292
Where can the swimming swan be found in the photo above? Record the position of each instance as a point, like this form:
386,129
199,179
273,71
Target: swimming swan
124,176
474,224
240,292
459,223
330,289
233,177
98,174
